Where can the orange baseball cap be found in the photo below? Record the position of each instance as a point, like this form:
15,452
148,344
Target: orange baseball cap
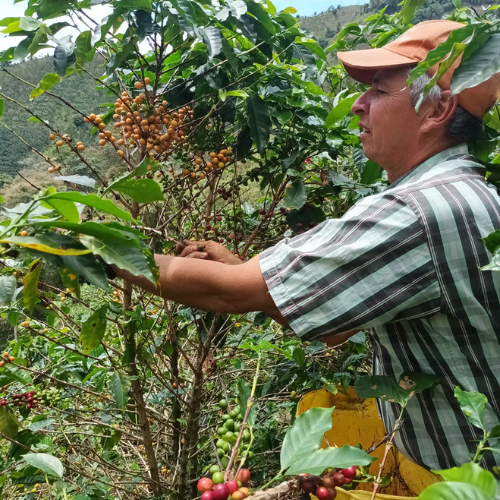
412,47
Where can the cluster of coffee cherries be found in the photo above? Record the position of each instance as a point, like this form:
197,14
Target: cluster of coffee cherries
50,396
217,489
154,127
28,398
228,434
324,486
227,193
201,168
6,358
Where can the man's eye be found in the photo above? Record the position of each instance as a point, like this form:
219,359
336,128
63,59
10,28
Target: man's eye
380,91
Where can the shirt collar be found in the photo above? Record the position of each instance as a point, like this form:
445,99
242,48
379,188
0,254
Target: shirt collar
461,149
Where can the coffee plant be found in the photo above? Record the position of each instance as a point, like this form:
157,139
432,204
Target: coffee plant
229,127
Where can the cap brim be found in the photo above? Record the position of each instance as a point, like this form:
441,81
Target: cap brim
363,64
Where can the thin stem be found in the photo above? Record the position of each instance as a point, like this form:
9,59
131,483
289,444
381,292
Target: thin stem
388,446
275,478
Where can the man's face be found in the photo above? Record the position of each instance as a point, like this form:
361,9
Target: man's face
388,121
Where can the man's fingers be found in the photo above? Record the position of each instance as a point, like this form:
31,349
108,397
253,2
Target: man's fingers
190,249
179,247
197,255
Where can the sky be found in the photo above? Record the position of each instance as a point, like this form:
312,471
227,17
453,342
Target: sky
304,8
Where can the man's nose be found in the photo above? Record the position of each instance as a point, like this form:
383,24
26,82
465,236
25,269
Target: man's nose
360,105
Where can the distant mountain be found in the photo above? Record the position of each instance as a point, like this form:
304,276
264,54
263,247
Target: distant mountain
325,26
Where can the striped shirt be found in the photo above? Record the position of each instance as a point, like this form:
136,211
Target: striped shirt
405,263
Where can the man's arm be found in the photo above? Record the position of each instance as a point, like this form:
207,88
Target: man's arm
211,286
339,338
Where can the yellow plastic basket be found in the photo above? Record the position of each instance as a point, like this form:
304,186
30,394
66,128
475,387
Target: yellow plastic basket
356,420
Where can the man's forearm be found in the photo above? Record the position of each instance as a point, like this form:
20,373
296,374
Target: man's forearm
208,285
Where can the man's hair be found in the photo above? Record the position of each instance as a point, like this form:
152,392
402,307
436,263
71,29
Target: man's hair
462,127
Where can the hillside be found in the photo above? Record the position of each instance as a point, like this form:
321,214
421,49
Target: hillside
326,25
15,155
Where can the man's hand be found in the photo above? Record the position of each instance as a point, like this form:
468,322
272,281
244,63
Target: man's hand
207,250
339,338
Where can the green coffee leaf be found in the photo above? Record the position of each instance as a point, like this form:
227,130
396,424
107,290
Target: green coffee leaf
495,432
120,386
140,190
451,490
213,40
492,242
472,404
299,356
387,389
146,166
70,279
341,110
81,180
337,458
93,329
258,121
37,244
8,286
66,208
408,9
13,373
371,172
29,23
295,195
262,16
41,424
91,200
244,391
126,257
46,83
471,474
306,435
85,265
479,67
46,463
30,281
120,247
83,46
8,423
434,56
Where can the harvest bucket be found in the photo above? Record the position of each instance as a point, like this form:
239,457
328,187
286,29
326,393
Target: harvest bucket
356,420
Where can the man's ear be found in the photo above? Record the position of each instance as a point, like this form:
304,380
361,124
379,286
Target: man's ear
439,113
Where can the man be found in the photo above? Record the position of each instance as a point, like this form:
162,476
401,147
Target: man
404,263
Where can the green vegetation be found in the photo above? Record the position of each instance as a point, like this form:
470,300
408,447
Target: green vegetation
79,90
239,133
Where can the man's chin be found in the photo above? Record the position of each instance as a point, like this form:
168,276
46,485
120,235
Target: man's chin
366,148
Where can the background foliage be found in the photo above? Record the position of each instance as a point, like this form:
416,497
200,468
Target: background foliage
239,133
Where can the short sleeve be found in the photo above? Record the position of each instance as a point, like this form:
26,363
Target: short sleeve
368,268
